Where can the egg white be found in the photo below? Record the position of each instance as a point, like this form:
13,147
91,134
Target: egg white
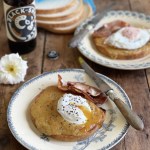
68,108
119,41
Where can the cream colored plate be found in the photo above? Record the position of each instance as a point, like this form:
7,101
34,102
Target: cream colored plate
87,48
21,126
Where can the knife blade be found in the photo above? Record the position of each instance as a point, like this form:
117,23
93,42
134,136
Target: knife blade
91,25
131,117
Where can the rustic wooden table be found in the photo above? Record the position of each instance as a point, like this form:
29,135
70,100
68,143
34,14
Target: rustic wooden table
135,83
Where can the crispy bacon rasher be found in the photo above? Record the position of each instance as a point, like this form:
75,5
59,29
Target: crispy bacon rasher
91,93
109,28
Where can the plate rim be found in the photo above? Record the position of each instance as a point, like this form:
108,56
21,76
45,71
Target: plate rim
30,147
114,65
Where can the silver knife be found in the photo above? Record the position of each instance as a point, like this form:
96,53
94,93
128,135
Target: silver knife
91,25
131,117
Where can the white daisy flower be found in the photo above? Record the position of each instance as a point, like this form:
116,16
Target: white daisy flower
12,69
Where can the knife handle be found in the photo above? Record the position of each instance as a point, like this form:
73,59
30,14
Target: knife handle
132,118
79,36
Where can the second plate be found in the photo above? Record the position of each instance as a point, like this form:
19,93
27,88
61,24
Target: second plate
87,48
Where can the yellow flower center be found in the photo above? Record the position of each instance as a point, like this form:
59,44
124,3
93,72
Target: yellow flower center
12,69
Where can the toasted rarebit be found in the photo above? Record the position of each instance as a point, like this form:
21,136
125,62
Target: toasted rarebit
116,53
112,52
48,121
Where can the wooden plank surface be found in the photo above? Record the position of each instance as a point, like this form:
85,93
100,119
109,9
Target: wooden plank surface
142,103
143,7
135,83
1,12
7,141
148,77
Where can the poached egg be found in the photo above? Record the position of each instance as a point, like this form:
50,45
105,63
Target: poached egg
74,109
129,38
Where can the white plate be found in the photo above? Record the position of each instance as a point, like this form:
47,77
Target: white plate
21,126
87,48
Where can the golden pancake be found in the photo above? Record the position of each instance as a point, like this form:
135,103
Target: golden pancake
48,121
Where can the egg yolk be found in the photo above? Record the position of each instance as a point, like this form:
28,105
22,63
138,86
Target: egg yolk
88,115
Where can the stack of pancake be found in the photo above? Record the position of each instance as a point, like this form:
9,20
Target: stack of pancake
61,16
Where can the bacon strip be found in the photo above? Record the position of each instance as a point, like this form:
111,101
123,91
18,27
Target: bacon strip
91,93
109,28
